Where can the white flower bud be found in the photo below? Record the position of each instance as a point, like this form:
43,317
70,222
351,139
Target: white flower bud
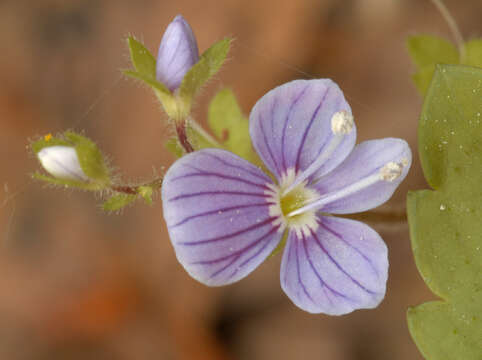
342,122
62,162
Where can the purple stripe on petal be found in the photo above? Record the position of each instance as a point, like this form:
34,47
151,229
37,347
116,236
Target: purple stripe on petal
285,125
230,235
337,264
254,171
212,193
318,275
202,173
334,275
291,125
305,133
217,212
220,225
366,159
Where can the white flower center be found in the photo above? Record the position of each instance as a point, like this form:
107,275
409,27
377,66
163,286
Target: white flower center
282,204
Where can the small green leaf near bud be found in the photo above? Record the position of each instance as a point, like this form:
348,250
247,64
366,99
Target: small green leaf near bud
208,65
118,201
142,59
146,193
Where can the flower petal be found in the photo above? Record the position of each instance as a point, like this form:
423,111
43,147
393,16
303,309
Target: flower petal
290,126
217,215
178,52
62,162
366,159
340,267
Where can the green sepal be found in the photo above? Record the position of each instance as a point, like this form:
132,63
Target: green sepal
445,226
90,158
90,186
38,145
142,60
118,201
145,70
208,65
152,82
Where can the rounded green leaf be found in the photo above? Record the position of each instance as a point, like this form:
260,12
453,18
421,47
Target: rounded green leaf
445,224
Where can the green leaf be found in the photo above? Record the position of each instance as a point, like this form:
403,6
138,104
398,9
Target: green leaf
430,50
142,59
118,201
152,82
230,126
146,192
208,65
426,51
445,224
473,53
90,158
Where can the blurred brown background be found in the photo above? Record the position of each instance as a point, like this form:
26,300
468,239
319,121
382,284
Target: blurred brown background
79,284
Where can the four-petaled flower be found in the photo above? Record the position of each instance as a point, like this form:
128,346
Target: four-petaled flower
178,52
225,215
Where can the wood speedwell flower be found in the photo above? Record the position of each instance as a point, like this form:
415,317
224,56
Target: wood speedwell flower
225,216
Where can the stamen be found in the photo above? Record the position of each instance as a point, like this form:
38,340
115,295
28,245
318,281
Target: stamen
341,124
389,172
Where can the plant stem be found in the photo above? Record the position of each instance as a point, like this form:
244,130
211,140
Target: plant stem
380,217
182,136
133,190
459,40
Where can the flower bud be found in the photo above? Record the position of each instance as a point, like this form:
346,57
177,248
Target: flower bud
178,52
62,162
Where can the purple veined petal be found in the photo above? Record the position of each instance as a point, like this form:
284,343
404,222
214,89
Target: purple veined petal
217,215
178,52
290,126
340,267
367,159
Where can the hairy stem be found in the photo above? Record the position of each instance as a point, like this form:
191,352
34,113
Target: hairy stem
182,136
133,190
459,40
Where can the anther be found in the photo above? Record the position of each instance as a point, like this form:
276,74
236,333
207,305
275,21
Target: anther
342,122
391,171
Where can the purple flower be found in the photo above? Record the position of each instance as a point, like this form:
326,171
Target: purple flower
178,52
225,215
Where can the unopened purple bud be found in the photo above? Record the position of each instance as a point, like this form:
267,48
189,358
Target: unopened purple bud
178,52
